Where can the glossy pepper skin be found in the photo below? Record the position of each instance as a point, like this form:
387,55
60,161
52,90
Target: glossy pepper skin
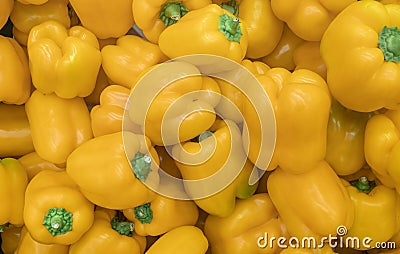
57,57
325,201
116,18
109,233
318,15
128,57
195,162
345,139
363,39
57,125
26,16
28,245
120,185
295,97
15,135
6,8
216,30
15,80
10,237
382,147
33,164
240,231
308,56
13,182
152,17
180,240
376,210
55,211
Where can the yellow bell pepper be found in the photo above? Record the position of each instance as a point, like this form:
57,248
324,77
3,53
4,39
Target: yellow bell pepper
121,182
26,16
57,57
15,79
28,245
218,149
5,10
36,2
263,27
15,134
55,211
33,164
186,104
244,230
382,147
13,182
57,125
282,55
131,55
364,39
152,17
307,56
180,240
110,232
376,208
103,18
209,30
161,215
256,67
10,238
309,19
345,139
301,103
324,200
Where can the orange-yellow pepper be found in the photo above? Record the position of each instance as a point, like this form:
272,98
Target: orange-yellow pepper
33,164
110,232
152,17
127,162
216,31
13,182
55,211
103,18
309,19
28,245
15,132
26,16
5,10
57,125
307,56
15,80
57,57
131,55
10,237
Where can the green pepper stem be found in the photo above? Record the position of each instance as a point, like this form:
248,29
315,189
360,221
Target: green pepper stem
58,221
232,6
171,12
204,135
143,213
389,43
2,227
363,184
141,166
121,224
230,27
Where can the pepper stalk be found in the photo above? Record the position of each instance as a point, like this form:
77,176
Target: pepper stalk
363,184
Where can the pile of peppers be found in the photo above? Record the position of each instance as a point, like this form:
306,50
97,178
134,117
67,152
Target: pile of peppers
73,180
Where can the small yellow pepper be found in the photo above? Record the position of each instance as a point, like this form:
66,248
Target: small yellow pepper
110,233
15,80
307,56
196,163
124,170
57,125
26,16
55,211
309,19
244,230
312,204
131,55
33,164
13,182
28,245
364,39
10,237
180,240
103,18
282,55
152,17
5,10
377,211
216,31
15,134
57,57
